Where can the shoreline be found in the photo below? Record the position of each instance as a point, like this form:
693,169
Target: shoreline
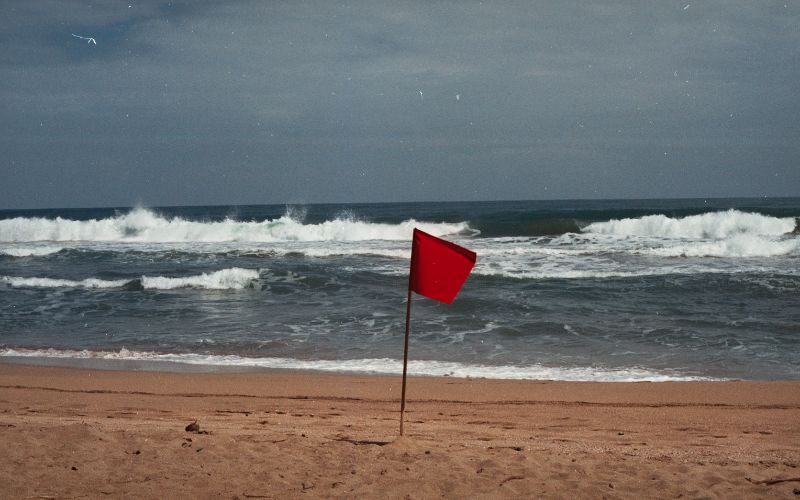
219,379
127,360
73,432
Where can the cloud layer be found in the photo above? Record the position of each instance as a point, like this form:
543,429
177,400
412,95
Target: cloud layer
272,102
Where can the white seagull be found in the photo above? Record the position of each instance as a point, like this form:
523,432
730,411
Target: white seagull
420,94
88,39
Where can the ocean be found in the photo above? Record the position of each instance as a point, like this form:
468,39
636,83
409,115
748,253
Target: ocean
612,290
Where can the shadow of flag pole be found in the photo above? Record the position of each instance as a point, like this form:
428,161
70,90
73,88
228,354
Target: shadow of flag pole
438,270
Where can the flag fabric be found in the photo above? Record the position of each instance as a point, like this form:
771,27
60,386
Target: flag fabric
438,267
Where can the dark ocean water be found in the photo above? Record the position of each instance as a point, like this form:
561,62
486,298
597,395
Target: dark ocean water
576,290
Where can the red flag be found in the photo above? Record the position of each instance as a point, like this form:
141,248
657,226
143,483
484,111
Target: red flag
438,267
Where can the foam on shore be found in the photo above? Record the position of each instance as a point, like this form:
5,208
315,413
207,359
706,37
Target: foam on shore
382,366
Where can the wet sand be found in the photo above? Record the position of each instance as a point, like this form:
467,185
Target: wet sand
76,433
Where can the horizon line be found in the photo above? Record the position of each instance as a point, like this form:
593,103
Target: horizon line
510,200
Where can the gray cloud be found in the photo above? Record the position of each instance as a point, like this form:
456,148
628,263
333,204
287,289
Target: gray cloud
271,102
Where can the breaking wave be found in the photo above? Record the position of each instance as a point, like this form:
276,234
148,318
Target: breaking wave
225,279
29,251
144,226
712,225
151,360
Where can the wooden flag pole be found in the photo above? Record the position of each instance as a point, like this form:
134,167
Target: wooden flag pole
405,357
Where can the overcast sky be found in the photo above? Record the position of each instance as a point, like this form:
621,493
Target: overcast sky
236,102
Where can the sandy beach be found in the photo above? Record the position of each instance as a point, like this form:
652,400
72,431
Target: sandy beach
77,433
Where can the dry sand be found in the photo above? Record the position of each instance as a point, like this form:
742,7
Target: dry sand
70,433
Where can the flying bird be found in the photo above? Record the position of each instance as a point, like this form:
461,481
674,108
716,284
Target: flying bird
88,39
420,94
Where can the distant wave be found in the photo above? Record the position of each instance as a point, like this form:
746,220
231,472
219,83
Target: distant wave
372,366
142,225
712,225
225,279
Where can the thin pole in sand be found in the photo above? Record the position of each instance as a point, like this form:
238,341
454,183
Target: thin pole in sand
405,357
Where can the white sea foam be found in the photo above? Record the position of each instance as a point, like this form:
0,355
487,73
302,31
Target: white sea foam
226,279
372,366
30,251
61,283
740,245
714,225
589,274
144,226
359,250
